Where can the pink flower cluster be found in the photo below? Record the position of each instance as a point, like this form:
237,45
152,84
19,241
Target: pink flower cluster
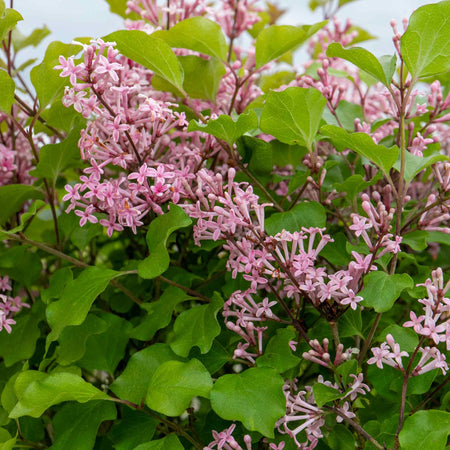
433,325
9,305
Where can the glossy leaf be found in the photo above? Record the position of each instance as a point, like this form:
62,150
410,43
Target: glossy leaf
175,383
274,41
362,144
132,384
307,214
197,326
158,232
20,344
150,52
196,33
425,45
76,300
225,128
365,60
75,425
7,87
50,390
293,115
254,397
426,429
382,290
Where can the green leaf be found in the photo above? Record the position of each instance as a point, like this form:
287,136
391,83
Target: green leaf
381,290
324,394
196,33
254,397
150,52
425,46
175,383
13,196
278,354
406,337
134,428
341,438
417,240
75,425
170,442
206,86
37,35
105,350
415,164
307,214
55,158
76,300
21,343
159,313
48,84
355,184
197,326
362,144
132,384
350,323
158,232
276,40
7,87
257,153
365,60
225,128
426,429
21,264
72,342
57,283
119,7
293,115
8,22
50,390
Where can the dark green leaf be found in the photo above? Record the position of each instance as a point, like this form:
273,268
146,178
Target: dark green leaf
75,425
350,324
13,196
158,232
175,383
254,397
170,442
150,52
76,300
257,153
293,115
197,326
382,290
159,313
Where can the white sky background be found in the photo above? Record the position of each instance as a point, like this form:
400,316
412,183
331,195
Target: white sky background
68,19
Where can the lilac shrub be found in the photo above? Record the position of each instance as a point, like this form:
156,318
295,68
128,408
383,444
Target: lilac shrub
205,247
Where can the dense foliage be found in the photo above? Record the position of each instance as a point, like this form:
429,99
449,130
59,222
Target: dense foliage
204,247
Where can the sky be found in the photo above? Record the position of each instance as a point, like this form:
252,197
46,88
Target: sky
68,19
